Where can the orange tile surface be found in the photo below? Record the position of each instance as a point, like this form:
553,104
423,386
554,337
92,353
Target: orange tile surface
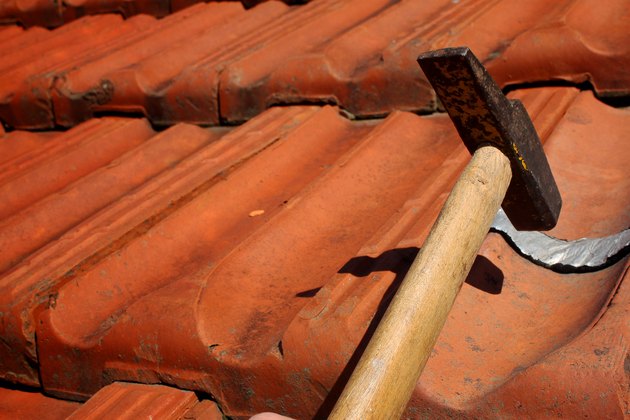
248,262
357,54
592,371
135,401
86,193
31,405
118,400
153,268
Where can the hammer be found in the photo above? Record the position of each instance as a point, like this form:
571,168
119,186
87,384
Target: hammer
508,169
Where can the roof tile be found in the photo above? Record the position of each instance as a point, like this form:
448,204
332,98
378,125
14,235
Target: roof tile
19,143
221,273
359,55
120,400
71,156
64,207
592,370
584,43
51,13
10,32
31,405
133,401
29,12
33,281
251,264
25,88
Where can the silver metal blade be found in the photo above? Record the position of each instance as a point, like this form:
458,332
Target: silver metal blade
578,256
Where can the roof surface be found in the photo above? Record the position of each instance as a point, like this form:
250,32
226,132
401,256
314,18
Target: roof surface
118,400
358,54
51,13
251,263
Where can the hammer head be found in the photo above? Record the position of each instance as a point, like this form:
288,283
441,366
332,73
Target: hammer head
483,115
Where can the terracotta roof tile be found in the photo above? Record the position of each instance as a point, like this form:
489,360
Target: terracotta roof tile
359,55
133,401
247,263
250,265
51,13
587,41
370,68
17,10
119,400
584,197
19,143
591,370
31,405
95,155
25,87
88,242
71,156
10,32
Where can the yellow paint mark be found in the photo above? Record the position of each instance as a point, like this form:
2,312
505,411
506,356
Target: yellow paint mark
520,158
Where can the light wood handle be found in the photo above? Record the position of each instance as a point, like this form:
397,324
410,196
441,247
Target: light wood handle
386,374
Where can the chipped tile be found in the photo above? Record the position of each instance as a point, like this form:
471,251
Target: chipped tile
25,88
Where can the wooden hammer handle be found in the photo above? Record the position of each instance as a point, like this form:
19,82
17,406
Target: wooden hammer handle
386,374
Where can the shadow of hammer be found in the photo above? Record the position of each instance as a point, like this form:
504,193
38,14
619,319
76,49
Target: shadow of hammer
508,169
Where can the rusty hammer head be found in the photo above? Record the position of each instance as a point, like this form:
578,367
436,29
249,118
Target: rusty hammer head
483,115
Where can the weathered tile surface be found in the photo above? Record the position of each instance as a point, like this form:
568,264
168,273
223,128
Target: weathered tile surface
357,54
247,263
135,401
77,188
118,400
31,405
250,265
51,13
